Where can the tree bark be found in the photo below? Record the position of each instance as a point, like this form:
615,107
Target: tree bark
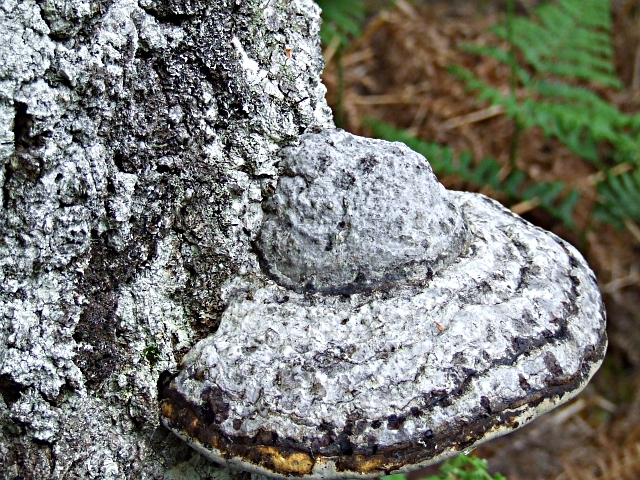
137,139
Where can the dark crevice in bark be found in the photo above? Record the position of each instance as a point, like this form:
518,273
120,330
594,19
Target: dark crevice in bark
6,190
97,328
25,164
22,123
10,390
177,19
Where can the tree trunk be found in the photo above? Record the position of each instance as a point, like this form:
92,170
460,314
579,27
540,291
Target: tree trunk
137,139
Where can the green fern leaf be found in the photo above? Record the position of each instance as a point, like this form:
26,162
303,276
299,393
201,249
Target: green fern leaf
568,38
575,115
463,164
564,209
513,182
500,55
619,198
487,172
465,467
341,19
544,192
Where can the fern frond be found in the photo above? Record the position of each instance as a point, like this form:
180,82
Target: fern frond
569,38
499,54
619,198
573,114
511,184
564,208
341,19
549,195
578,109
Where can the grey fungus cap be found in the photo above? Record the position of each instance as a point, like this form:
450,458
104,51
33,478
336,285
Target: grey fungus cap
396,323
353,214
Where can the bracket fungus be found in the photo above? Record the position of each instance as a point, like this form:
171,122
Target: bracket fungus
396,323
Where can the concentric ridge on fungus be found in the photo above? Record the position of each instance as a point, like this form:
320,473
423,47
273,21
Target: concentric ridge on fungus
396,324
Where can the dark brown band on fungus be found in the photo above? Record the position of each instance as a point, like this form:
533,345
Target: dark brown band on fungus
297,457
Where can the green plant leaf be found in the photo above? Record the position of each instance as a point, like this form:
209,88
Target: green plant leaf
567,38
619,198
341,19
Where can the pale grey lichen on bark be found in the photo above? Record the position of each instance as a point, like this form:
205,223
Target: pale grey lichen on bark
136,140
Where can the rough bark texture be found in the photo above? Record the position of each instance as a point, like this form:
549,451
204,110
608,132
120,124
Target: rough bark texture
137,140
